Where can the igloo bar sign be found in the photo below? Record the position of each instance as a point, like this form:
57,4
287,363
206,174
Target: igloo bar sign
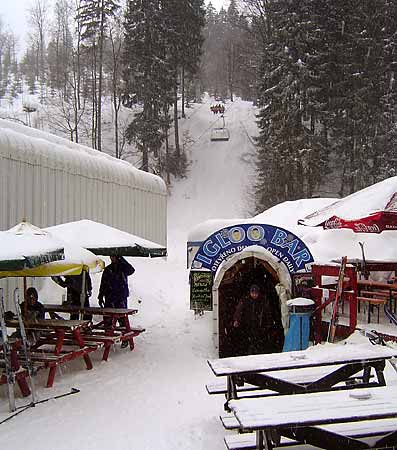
224,243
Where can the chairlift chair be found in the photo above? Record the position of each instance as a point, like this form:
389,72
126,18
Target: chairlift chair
220,133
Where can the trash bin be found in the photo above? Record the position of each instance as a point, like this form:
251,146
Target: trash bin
300,310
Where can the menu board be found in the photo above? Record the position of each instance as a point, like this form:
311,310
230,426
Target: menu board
201,290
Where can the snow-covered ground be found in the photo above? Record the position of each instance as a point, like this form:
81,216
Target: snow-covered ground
154,397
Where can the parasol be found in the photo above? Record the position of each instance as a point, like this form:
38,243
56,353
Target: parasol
104,240
370,210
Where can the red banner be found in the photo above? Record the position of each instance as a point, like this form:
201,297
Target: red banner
374,223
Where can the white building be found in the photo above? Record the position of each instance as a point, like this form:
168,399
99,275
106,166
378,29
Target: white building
49,180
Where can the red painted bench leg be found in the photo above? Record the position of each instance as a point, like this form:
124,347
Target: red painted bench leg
80,341
57,352
51,375
23,385
106,351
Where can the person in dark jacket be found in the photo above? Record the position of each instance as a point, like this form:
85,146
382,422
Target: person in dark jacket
114,292
74,287
257,319
34,309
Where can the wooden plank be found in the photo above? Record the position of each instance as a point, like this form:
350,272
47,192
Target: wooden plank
372,300
318,408
49,323
317,356
247,441
95,310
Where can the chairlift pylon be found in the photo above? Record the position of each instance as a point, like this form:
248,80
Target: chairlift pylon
220,133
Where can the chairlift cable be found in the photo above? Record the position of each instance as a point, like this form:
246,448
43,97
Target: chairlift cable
207,129
248,136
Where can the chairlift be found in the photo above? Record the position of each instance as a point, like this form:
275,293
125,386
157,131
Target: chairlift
220,133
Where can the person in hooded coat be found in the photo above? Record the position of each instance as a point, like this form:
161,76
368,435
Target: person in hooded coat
114,292
257,323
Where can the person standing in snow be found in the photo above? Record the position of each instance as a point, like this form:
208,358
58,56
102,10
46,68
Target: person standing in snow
74,287
257,319
113,291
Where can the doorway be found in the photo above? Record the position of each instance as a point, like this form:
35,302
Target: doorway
234,285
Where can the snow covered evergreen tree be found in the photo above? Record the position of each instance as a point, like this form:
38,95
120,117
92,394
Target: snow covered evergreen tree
326,97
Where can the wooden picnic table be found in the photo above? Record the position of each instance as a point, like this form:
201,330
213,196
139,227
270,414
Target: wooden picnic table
19,373
50,348
278,372
377,293
112,328
304,418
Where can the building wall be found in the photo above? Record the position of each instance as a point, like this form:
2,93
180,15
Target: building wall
48,180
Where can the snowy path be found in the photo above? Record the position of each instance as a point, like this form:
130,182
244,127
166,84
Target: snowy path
155,397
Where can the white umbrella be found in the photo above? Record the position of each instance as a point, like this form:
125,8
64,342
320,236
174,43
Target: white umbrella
26,246
104,240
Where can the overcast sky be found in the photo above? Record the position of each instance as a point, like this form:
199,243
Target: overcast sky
13,14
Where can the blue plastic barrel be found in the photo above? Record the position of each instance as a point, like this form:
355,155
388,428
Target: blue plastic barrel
300,310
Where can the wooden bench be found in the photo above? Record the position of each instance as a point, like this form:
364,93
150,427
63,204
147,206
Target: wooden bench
372,301
333,419
357,430
247,441
110,339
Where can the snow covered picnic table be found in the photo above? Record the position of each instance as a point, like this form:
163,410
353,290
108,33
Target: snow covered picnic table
301,418
284,373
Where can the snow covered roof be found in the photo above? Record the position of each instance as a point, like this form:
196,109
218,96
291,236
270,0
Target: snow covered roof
381,196
325,245
41,148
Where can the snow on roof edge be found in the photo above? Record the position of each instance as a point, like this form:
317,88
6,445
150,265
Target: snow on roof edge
29,136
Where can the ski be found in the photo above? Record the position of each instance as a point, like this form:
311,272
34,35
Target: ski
7,357
364,270
390,315
32,405
338,294
26,351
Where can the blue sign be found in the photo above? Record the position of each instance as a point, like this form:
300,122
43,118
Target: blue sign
282,244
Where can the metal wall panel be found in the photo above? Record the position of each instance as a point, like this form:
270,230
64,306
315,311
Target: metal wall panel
55,181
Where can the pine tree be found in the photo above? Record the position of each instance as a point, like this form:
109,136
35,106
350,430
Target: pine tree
147,74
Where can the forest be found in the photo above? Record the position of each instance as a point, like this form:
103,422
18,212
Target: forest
118,76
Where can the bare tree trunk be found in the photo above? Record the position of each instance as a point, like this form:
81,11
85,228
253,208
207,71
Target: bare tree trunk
183,91
167,158
176,126
99,116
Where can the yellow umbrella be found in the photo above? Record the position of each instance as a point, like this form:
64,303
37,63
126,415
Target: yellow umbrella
76,260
